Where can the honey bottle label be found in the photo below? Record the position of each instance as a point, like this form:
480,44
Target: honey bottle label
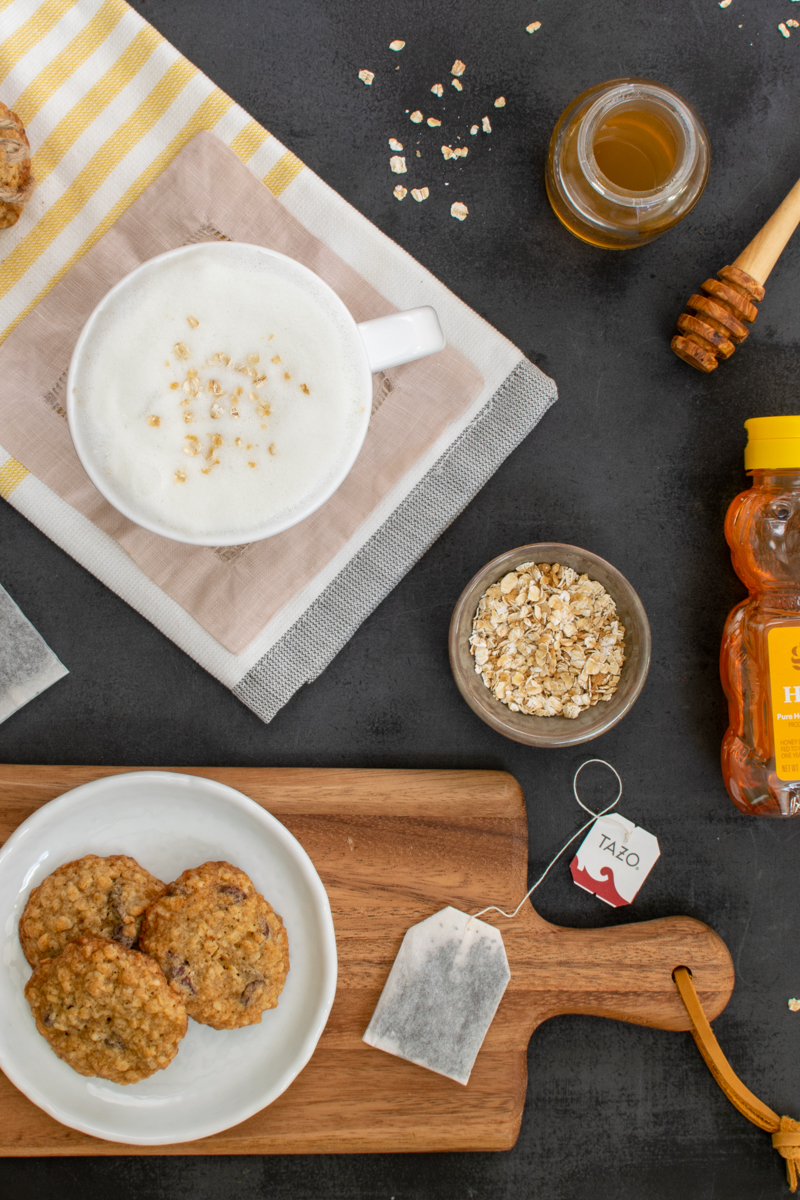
783,643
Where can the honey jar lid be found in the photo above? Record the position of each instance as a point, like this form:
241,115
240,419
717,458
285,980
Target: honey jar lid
773,444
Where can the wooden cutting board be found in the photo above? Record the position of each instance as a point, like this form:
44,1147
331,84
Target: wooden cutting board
392,847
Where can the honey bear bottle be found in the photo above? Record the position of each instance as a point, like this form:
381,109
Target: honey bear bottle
760,657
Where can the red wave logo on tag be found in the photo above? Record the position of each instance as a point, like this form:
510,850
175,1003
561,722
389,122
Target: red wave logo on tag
603,888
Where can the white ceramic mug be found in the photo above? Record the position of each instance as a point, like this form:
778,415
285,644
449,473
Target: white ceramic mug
363,348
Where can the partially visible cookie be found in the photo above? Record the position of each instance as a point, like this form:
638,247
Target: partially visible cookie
220,944
99,897
107,1010
16,181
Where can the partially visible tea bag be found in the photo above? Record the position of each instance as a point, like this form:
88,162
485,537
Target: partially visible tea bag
27,664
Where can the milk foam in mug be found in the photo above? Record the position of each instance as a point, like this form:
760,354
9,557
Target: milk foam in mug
221,392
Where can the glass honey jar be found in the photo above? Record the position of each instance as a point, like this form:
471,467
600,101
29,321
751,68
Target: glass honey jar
760,657
628,159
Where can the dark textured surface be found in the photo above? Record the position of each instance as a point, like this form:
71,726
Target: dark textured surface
636,462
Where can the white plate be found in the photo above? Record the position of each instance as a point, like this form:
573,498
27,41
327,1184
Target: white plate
169,822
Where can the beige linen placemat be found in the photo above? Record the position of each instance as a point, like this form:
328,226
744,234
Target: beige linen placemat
207,192
111,110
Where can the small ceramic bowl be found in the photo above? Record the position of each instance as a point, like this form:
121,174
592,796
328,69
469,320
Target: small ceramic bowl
552,731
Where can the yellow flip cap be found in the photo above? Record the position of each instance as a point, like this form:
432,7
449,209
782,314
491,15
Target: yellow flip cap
773,444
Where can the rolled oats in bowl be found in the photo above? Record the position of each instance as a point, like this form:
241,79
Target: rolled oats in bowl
548,641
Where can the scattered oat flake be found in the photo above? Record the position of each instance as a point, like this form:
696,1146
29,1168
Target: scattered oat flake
180,477
457,85
460,152
398,164
459,211
420,193
397,44
366,77
154,420
416,117
447,151
458,67
432,122
794,24
400,192
304,388
724,3
794,1005
474,129
784,30
500,102
486,125
394,144
273,449
193,321
419,154
534,25
437,89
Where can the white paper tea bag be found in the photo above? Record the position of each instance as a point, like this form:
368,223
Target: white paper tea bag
442,993
27,664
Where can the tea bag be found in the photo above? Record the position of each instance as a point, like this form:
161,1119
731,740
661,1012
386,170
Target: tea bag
442,993
27,664
449,977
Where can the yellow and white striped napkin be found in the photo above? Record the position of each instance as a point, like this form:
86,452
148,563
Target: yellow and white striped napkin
108,104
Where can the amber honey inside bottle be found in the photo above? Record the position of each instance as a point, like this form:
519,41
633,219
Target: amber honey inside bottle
636,149
628,159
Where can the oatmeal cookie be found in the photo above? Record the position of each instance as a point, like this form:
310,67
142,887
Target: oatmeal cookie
220,944
99,897
107,1010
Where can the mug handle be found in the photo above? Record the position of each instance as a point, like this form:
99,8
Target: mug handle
401,337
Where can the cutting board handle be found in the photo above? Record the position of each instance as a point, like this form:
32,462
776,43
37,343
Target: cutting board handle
625,972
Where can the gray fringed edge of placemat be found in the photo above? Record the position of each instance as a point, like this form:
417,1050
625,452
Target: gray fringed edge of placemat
434,503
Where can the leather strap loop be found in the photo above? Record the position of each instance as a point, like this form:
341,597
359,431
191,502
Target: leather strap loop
785,1131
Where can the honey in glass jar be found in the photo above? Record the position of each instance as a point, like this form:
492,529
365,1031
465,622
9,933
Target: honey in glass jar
628,159
760,658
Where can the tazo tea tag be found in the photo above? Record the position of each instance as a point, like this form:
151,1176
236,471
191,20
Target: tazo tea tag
614,859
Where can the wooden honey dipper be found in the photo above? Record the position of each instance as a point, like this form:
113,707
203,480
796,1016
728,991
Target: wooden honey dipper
717,321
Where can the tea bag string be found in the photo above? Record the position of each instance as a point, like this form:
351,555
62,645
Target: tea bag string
594,817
